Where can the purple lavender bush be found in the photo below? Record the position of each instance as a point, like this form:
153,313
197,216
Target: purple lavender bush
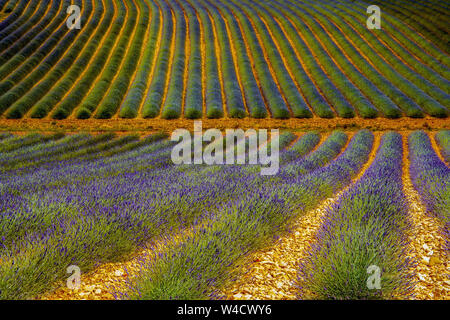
365,227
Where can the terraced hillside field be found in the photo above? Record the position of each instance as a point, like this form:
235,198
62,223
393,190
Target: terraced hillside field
223,59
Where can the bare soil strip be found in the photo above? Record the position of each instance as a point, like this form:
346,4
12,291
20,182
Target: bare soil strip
273,271
427,243
107,278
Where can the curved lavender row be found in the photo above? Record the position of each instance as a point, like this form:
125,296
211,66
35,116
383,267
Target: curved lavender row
72,168
326,152
287,154
365,227
301,147
304,145
443,140
200,265
93,211
5,135
45,146
431,178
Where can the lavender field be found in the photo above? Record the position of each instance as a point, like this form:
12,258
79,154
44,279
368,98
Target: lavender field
190,231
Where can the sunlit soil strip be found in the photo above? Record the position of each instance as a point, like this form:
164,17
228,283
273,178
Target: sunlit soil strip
108,279
272,272
432,270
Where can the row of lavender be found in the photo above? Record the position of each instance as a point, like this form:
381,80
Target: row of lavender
366,227
431,177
